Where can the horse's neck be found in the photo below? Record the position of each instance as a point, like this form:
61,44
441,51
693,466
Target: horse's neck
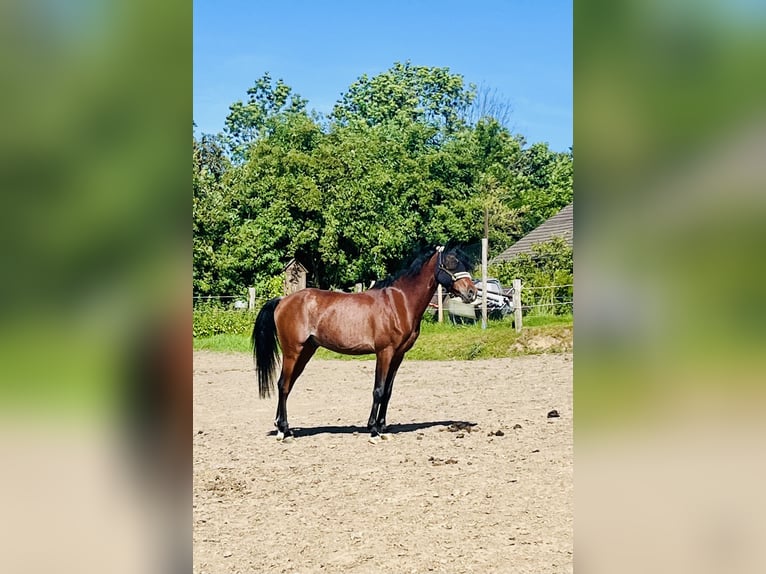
421,288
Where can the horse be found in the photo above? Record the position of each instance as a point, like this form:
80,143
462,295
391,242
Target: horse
384,320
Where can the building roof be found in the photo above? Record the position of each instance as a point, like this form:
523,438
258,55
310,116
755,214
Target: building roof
560,225
293,263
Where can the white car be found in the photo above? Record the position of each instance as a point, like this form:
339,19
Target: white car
499,303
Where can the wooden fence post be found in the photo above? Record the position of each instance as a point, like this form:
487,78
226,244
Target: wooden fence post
251,298
517,304
439,307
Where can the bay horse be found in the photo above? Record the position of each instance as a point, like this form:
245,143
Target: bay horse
384,320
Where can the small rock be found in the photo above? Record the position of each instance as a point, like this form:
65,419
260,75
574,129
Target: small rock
461,435
553,414
517,426
499,433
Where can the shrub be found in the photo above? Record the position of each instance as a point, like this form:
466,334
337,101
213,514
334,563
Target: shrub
213,319
550,263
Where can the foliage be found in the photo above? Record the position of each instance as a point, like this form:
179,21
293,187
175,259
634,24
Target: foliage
266,100
268,288
212,218
544,183
550,264
411,94
213,319
394,169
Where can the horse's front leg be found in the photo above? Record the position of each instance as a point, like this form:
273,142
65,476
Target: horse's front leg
392,370
382,366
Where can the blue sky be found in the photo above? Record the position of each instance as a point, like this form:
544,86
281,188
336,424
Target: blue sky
521,48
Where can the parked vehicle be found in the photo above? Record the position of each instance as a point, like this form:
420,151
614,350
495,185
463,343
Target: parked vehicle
499,300
499,303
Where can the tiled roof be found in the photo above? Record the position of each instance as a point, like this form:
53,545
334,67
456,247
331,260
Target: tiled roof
560,225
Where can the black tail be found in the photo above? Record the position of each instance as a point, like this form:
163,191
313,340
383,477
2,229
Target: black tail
266,347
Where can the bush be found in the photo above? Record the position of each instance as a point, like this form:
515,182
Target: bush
550,263
213,319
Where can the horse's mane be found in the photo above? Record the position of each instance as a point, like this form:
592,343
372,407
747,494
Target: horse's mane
417,265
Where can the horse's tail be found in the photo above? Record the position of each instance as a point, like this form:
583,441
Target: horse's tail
266,347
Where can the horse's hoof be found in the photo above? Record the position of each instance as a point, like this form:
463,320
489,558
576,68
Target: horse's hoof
280,436
288,439
374,439
386,436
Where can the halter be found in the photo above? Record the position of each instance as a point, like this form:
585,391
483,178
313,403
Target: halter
453,276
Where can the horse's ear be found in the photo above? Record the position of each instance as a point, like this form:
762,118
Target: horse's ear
439,248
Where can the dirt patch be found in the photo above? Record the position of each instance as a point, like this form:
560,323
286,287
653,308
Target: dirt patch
552,340
476,478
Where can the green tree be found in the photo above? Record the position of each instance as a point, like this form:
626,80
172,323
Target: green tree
250,120
276,203
410,93
395,169
369,180
543,183
212,217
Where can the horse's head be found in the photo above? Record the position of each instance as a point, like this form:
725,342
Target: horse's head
452,273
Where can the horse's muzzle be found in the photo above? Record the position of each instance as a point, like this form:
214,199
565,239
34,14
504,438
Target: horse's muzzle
468,295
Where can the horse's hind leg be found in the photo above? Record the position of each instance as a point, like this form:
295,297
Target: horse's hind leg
292,367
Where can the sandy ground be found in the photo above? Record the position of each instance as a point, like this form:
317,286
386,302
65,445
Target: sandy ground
477,477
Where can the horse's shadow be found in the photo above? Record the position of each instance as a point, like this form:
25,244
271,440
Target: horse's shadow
351,429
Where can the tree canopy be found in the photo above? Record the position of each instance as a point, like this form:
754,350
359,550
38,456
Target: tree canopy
394,168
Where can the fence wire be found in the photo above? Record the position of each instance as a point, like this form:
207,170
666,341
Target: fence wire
523,288
549,304
219,297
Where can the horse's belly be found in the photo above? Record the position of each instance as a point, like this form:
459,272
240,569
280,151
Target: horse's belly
346,347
